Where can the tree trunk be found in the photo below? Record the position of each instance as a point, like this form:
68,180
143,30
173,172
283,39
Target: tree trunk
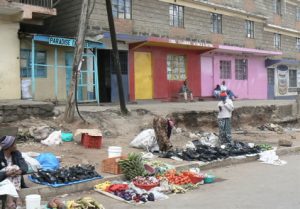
80,42
116,57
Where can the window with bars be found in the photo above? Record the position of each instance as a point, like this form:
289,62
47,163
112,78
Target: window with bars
176,69
249,25
298,44
298,13
277,41
40,63
225,69
176,13
123,62
216,20
121,9
241,69
292,78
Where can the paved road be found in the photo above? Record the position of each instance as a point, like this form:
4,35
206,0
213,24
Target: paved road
246,186
168,107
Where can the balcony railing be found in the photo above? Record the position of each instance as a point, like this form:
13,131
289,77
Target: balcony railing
41,3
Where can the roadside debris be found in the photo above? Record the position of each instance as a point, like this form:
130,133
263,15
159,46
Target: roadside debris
285,143
270,157
272,127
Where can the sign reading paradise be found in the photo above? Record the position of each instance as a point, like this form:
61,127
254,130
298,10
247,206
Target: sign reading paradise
62,41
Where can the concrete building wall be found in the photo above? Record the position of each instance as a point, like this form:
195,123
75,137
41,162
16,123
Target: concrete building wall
9,60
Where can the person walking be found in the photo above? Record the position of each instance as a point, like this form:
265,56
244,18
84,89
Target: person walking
224,118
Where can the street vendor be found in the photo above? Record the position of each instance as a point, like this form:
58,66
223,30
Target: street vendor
12,164
163,129
224,118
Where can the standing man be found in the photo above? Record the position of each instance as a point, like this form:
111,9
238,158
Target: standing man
224,118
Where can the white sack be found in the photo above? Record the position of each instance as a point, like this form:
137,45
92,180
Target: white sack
33,164
53,139
8,188
270,157
145,140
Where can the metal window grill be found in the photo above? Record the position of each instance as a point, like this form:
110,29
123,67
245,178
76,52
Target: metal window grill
41,3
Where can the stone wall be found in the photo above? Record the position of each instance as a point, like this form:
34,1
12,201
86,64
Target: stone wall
14,112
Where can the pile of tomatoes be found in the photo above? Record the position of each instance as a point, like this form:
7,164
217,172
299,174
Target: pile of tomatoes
177,178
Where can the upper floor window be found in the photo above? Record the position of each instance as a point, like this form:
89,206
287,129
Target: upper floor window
216,20
298,44
292,78
121,9
249,29
277,41
241,69
40,64
176,67
176,13
225,69
298,13
277,6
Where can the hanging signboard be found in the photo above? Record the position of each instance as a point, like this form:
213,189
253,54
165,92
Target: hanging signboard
62,41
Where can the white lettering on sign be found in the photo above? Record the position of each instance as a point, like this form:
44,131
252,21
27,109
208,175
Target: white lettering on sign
191,43
61,41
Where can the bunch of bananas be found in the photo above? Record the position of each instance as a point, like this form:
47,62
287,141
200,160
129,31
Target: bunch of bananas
103,186
84,203
133,166
177,189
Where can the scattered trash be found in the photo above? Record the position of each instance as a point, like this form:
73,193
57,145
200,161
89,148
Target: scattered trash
53,139
209,139
270,157
271,127
40,133
48,161
33,164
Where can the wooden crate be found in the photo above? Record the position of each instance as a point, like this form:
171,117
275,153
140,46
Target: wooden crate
111,165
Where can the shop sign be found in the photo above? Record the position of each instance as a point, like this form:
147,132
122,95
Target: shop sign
62,41
190,43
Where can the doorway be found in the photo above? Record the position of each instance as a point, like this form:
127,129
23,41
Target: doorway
271,83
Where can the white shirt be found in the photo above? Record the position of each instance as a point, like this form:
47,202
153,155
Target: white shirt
223,88
226,109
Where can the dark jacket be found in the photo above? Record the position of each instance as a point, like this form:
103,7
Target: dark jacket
2,176
17,159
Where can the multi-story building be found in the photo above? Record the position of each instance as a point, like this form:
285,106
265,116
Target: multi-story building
254,45
12,13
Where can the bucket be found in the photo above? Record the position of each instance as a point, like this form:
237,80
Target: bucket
114,151
33,201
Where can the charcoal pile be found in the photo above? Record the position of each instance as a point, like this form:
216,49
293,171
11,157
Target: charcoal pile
207,153
66,175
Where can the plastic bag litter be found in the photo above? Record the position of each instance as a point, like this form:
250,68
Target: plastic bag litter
8,188
40,133
209,139
53,139
33,164
48,161
145,140
270,157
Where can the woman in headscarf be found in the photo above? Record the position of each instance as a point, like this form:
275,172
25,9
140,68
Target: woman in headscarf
13,164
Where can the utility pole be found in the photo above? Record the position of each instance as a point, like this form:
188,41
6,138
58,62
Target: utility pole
116,57
80,42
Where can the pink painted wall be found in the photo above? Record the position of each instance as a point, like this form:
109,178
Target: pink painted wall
253,88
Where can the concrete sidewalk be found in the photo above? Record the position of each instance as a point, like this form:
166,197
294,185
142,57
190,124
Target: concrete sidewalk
165,108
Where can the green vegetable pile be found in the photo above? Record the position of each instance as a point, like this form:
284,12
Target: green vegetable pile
133,166
265,147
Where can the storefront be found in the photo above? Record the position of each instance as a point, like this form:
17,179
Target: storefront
243,70
283,78
50,75
158,67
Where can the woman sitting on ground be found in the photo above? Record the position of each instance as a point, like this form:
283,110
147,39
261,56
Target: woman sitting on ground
217,91
13,164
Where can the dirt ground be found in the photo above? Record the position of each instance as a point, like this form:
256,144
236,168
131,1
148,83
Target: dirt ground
120,130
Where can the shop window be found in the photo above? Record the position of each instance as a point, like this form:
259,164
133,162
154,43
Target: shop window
121,9
277,41
241,69
298,44
225,69
176,69
176,13
216,21
249,29
292,78
40,64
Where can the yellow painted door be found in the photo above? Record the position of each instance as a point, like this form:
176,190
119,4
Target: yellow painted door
143,75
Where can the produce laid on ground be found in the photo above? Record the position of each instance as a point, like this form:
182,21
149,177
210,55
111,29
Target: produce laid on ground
146,183
84,203
207,153
66,175
56,203
265,147
133,166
